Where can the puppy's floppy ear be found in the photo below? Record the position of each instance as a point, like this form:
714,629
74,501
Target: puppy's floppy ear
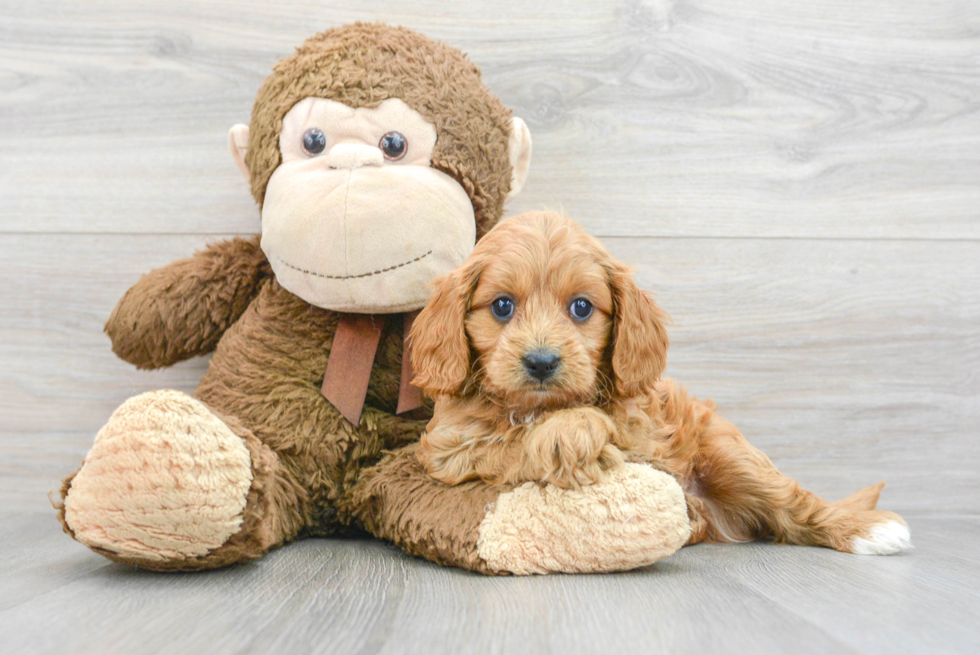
639,338
440,348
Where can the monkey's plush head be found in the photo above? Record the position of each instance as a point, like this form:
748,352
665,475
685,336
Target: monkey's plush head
378,157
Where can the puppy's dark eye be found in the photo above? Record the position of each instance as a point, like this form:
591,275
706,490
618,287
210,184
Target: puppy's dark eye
314,142
502,308
580,309
393,145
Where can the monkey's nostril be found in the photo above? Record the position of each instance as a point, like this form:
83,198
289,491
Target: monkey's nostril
541,364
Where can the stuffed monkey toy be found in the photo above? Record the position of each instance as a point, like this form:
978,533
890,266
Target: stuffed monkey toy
377,157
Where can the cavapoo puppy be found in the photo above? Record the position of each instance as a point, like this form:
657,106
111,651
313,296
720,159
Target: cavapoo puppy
544,359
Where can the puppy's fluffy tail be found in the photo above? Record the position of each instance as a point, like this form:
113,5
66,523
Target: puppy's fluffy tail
865,499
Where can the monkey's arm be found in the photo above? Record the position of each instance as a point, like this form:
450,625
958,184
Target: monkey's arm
182,309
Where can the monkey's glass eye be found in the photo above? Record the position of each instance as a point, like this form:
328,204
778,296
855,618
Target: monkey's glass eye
580,309
314,142
502,308
394,145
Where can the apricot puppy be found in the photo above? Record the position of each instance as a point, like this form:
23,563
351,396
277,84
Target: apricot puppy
544,358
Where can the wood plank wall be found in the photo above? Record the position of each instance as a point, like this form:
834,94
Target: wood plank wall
798,182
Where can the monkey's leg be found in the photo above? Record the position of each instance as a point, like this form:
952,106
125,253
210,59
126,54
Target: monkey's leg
747,497
634,518
168,485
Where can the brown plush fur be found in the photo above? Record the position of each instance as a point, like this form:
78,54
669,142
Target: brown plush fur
604,403
271,348
441,529
362,65
182,310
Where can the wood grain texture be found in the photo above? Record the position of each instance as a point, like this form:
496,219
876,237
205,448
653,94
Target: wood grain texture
847,362
336,596
707,118
799,183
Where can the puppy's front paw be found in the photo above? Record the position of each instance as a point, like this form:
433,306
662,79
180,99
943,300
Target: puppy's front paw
572,448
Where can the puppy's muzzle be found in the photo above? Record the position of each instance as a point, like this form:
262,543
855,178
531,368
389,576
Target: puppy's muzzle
541,364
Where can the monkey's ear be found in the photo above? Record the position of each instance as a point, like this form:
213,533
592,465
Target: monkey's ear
440,349
238,144
519,149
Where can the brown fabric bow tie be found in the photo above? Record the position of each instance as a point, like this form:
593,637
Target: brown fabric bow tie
355,343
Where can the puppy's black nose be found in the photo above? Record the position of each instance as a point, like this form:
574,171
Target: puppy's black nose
541,364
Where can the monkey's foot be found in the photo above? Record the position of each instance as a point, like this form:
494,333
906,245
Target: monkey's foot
634,518
165,483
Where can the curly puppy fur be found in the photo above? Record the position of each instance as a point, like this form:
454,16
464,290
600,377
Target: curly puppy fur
604,403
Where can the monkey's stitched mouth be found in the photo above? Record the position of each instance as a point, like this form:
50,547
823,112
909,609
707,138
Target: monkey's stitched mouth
354,277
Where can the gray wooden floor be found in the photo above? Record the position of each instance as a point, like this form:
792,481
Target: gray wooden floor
330,596
799,183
